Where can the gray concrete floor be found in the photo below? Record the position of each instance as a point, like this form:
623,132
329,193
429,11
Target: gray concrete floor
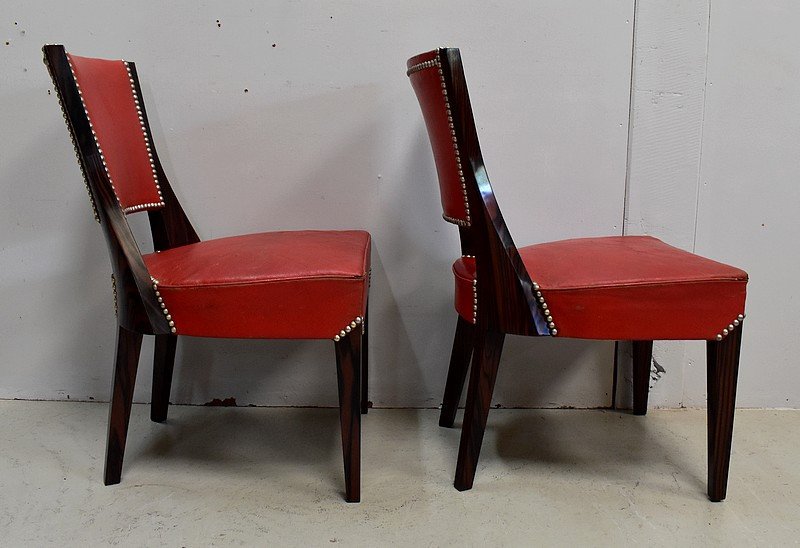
259,476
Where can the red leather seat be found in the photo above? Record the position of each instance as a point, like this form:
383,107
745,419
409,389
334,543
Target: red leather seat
267,286
625,288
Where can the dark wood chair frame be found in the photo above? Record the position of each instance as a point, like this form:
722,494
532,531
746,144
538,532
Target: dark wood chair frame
136,304
508,304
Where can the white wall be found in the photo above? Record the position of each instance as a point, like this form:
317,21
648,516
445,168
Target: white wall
714,169
329,135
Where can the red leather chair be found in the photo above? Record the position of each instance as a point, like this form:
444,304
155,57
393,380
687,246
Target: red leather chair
277,285
633,288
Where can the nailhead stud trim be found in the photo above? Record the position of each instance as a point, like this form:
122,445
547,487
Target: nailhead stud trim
75,145
136,102
542,304
431,63
140,114
163,306
422,66
114,289
475,300
731,326
91,128
474,292
348,328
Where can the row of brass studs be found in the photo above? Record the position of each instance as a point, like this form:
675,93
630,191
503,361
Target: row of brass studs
163,306
542,304
731,327
91,128
139,113
75,148
422,66
467,220
114,289
348,328
431,63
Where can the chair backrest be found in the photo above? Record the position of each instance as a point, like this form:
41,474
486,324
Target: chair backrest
428,79
105,114
112,104
504,288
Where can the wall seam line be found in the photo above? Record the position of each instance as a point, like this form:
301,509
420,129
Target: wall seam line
626,190
626,196
702,134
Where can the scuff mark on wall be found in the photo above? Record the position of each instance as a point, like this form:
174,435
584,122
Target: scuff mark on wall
656,372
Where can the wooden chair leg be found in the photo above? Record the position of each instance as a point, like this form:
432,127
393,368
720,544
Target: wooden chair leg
163,364
457,372
723,370
642,357
485,359
348,362
129,344
365,403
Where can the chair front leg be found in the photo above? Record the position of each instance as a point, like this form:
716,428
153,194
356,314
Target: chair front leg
485,360
348,365
163,364
457,372
129,344
723,370
642,357
365,403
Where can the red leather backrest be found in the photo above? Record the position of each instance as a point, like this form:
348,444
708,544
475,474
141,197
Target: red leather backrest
115,113
428,80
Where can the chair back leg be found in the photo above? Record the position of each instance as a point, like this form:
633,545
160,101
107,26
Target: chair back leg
163,364
457,372
348,366
723,370
485,360
642,357
129,344
365,403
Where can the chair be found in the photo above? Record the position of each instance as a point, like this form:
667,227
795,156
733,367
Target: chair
633,288
277,285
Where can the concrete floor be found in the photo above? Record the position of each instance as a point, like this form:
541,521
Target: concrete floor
259,476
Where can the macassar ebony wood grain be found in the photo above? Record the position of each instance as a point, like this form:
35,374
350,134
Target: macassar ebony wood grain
348,367
642,358
457,372
163,365
506,301
126,362
723,370
485,361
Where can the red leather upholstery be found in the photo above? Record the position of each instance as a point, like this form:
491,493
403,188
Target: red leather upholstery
625,288
428,87
275,285
108,98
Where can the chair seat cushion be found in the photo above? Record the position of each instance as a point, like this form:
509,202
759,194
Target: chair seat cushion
625,288
277,285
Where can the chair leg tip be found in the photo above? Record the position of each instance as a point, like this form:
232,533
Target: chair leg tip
462,486
640,412
111,480
716,497
352,498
